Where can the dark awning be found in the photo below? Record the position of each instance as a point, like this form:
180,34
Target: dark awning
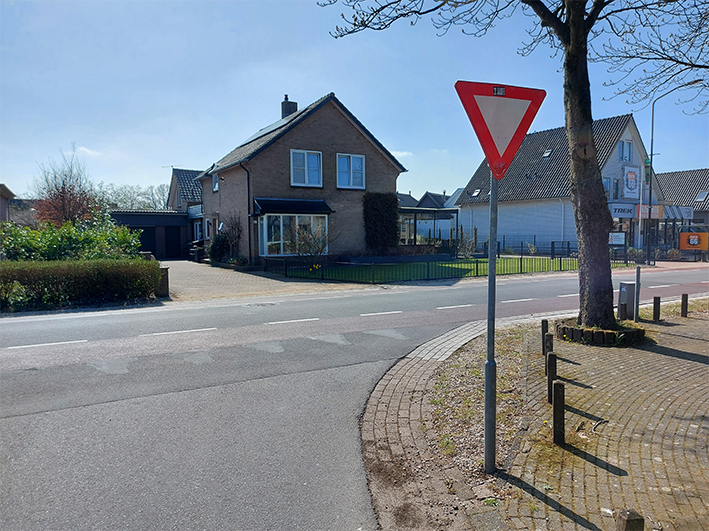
268,205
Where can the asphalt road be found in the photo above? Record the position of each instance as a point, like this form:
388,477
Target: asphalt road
234,414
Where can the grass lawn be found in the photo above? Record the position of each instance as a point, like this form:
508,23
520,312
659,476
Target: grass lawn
382,273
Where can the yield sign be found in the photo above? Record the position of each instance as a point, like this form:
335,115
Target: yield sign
501,116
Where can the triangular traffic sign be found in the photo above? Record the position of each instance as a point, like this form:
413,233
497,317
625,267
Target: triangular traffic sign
501,116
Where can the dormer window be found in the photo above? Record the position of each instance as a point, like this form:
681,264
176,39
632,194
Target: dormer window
625,151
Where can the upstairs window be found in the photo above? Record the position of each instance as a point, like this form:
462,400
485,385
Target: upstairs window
305,168
701,196
350,171
625,151
215,182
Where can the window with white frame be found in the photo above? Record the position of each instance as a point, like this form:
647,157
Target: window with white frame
625,151
207,229
290,234
305,168
215,182
350,171
198,230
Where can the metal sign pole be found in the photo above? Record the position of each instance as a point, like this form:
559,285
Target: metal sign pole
490,365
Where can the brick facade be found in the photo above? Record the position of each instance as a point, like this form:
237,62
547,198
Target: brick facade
329,130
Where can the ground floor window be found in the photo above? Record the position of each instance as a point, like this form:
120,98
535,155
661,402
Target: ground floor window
290,234
198,230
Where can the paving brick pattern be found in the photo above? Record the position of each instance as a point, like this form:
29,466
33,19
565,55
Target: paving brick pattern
637,434
190,281
637,437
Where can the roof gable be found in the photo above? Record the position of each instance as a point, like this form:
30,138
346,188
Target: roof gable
187,185
541,169
432,200
255,144
682,188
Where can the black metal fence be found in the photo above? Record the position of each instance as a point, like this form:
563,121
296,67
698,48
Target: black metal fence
377,272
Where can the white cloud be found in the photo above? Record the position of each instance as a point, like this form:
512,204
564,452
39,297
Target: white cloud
86,152
402,154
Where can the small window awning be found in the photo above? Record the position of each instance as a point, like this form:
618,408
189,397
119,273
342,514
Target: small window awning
269,205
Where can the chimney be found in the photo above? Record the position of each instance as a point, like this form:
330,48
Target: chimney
288,107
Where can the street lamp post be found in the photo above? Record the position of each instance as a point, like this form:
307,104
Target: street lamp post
652,151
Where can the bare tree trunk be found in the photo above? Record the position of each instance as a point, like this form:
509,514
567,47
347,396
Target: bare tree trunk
593,219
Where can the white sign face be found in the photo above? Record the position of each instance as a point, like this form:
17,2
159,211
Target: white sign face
502,116
622,210
616,238
631,182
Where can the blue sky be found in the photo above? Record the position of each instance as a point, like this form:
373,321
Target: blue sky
139,86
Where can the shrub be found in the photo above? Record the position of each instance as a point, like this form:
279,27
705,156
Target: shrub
381,221
220,249
93,239
45,285
674,254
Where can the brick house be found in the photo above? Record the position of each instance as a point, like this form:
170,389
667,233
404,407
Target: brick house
306,172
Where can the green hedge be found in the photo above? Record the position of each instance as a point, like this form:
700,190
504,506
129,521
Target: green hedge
60,284
94,239
381,221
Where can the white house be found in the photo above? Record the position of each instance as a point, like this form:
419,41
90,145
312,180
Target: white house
534,199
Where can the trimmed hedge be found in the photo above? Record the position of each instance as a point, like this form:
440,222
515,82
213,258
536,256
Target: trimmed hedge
61,284
381,221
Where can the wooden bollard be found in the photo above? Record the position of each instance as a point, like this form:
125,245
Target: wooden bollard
656,309
548,347
551,375
558,413
623,311
685,304
629,520
545,330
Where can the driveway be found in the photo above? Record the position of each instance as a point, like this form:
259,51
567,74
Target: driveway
190,281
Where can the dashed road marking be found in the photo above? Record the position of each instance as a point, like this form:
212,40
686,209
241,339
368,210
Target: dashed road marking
49,344
294,321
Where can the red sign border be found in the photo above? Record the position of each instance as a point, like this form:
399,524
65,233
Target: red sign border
467,90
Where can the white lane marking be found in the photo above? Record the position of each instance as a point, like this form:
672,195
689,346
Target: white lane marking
178,332
323,298
452,307
293,321
49,344
518,300
569,295
385,293
379,313
662,286
704,282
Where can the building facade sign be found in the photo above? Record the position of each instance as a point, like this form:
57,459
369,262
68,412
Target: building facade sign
631,182
656,211
623,210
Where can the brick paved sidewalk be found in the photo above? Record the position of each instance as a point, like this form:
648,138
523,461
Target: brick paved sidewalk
637,433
